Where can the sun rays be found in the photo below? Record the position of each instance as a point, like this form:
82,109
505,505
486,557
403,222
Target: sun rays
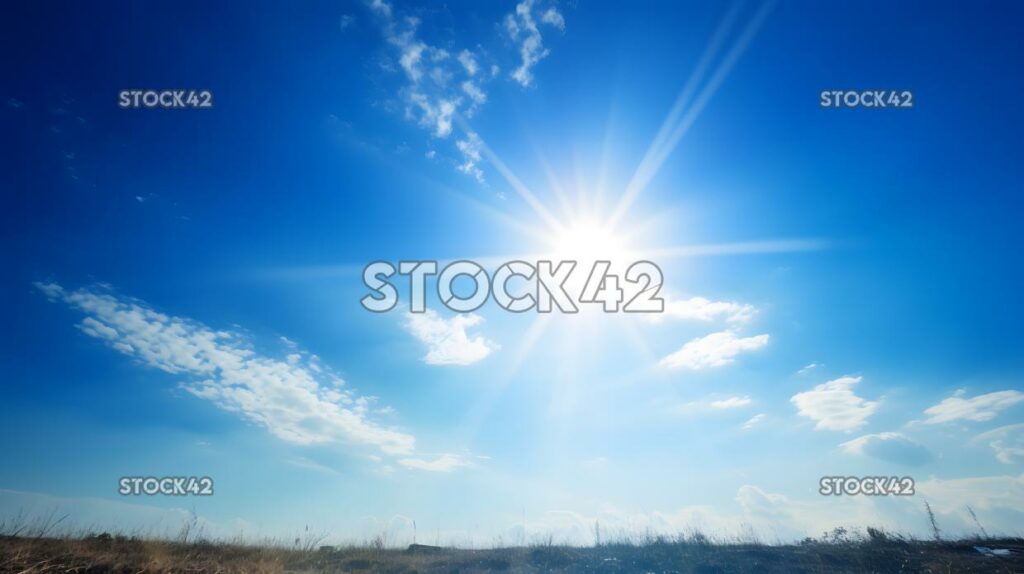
583,214
585,231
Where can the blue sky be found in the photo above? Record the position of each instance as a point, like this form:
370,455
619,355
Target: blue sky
183,286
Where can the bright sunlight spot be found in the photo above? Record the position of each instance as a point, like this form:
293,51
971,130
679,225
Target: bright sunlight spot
588,241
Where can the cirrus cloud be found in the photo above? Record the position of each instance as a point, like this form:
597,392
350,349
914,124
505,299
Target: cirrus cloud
293,398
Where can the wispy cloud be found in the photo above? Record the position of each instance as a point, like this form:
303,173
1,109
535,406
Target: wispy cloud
1005,493
476,95
554,17
834,406
709,406
714,350
470,149
889,446
1006,441
979,409
289,397
754,421
307,464
521,26
731,403
469,63
442,90
381,6
443,463
703,309
447,340
808,368
438,86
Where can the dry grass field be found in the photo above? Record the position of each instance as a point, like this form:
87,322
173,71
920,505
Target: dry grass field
103,554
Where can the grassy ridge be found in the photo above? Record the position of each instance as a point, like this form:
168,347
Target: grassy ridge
121,555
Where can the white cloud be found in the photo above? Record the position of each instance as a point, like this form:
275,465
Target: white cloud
512,25
705,406
759,514
94,328
1006,441
51,290
346,21
381,7
468,61
470,149
702,309
443,463
980,493
307,464
434,115
554,17
834,406
447,340
439,88
522,28
714,350
979,409
410,59
754,421
474,93
286,397
997,500
808,368
731,403
890,447
856,446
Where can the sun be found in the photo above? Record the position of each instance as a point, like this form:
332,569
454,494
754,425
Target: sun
588,240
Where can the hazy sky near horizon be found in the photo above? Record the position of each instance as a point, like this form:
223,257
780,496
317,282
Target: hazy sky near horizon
842,286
